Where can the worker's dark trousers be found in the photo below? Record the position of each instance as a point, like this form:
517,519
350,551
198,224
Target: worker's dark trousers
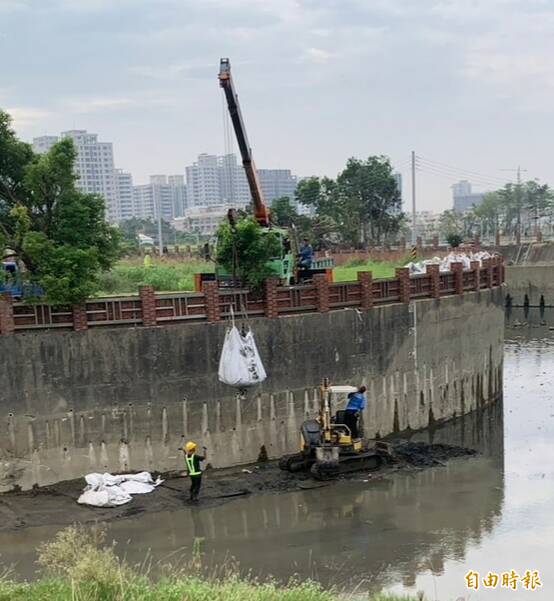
351,420
195,484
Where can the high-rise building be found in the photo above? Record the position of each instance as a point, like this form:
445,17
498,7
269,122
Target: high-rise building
165,194
233,185
463,198
43,144
277,183
203,185
94,165
124,195
220,180
177,182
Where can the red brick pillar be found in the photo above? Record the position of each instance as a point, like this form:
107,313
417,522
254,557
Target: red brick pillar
497,239
476,267
7,325
435,280
365,278
458,270
211,294
271,285
403,276
322,292
80,321
148,302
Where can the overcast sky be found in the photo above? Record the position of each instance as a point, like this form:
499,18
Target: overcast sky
466,84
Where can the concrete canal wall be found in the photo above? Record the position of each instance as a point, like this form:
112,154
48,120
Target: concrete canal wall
117,399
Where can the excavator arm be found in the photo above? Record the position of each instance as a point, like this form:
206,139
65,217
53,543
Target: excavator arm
261,211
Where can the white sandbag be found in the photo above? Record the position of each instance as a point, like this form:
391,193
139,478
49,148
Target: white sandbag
240,363
107,490
110,496
445,265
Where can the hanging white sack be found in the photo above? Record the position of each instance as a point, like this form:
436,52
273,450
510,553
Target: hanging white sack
240,363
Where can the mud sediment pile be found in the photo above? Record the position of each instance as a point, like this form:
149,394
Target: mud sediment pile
57,504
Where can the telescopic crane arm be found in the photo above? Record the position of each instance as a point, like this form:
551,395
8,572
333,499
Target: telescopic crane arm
261,211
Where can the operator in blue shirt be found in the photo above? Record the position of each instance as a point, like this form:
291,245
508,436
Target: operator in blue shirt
356,404
306,255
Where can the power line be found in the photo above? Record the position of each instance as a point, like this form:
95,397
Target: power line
454,173
455,176
459,169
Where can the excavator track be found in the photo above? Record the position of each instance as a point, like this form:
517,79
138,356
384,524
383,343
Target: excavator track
368,461
295,463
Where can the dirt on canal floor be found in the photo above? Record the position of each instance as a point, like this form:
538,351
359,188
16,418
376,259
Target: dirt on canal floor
57,504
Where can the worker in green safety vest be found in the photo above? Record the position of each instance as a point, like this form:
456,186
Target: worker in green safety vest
192,460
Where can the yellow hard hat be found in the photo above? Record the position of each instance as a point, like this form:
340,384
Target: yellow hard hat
190,447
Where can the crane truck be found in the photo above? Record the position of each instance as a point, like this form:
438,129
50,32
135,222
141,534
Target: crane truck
284,266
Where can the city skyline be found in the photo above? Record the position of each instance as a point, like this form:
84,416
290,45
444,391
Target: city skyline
211,181
438,77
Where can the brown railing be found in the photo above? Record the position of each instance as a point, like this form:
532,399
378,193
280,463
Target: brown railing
214,304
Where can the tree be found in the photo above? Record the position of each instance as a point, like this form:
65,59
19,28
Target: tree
537,201
451,222
454,239
364,200
246,249
283,212
489,213
57,232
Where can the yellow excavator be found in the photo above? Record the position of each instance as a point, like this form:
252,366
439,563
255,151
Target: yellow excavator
327,447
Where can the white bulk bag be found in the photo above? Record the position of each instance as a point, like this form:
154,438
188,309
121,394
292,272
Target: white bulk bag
240,363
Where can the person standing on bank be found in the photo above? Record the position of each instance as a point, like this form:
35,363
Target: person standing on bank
193,460
356,404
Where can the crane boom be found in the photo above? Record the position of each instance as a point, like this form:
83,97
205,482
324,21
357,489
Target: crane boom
261,211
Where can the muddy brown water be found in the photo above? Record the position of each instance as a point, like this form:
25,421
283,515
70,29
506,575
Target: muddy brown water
410,531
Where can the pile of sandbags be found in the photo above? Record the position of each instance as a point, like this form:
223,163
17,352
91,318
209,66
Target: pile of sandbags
445,264
106,490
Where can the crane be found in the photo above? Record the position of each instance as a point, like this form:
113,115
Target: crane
284,265
261,210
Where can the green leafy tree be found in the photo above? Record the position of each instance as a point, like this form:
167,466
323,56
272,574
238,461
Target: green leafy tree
245,250
454,239
57,232
283,212
364,201
537,201
489,213
451,222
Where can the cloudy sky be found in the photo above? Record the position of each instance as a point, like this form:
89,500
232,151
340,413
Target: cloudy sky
467,84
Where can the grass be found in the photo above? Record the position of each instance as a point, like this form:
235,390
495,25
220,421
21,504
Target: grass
380,269
77,565
164,275
171,275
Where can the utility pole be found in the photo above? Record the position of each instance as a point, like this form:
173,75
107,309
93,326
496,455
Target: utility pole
518,201
414,238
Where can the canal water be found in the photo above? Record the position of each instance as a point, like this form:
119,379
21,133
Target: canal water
417,530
